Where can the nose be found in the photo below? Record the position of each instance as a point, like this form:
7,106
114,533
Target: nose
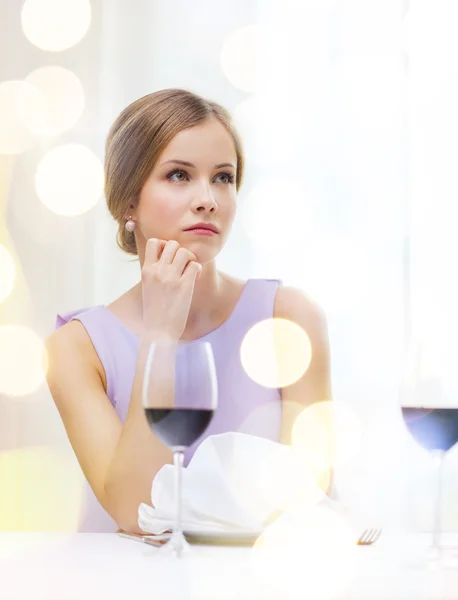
204,201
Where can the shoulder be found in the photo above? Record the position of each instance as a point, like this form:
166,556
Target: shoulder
70,339
70,345
295,305
71,332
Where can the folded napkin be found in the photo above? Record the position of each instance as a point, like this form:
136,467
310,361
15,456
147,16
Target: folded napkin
234,482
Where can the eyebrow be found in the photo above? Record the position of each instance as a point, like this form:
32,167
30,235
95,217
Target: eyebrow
188,164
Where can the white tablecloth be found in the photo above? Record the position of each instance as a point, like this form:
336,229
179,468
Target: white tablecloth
98,566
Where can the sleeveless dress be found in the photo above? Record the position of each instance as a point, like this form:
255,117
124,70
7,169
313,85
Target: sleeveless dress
243,404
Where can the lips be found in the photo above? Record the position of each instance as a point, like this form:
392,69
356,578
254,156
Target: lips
204,226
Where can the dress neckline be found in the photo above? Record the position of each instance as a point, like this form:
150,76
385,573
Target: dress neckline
211,333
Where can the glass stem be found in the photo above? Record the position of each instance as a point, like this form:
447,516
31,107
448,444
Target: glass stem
178,457
438,460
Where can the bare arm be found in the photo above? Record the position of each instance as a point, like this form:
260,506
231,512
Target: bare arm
315,385
118,461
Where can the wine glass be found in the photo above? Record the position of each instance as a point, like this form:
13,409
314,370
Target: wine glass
429,404
179,399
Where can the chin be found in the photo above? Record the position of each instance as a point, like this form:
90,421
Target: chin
203,255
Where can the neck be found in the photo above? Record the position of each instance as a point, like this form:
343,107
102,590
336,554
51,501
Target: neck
207,292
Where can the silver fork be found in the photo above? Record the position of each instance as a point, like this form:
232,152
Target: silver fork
368,537
153,540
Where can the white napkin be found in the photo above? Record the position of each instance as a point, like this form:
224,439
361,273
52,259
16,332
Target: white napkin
234,482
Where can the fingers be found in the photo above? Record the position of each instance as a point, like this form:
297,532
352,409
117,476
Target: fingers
192,271
182,258
171,258
168,254
153,250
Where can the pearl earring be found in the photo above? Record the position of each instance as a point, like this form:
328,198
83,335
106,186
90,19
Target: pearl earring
130,225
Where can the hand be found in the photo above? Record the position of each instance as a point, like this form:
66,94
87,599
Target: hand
169,274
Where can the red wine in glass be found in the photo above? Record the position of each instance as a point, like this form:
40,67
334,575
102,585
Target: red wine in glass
178,427
432,428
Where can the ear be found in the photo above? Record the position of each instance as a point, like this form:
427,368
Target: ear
131,211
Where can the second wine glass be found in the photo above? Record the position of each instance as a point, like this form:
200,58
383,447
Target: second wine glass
179,398
430,412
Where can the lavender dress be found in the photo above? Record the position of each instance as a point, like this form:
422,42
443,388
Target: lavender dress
243,405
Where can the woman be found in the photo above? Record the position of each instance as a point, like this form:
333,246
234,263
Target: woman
174,162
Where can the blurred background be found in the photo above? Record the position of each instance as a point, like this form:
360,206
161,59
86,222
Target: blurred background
347,109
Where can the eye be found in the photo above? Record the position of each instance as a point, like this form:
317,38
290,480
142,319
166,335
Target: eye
177,172
230,177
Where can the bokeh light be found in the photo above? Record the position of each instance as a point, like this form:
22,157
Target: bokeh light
240,56
286,482
15,137
327,434
271,228
60,103
313,437
272,481
264,418
69,179
8,273
23,360
44,490
275,352
289,414
308,553
55,25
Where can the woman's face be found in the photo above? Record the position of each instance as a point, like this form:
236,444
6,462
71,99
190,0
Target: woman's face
177,196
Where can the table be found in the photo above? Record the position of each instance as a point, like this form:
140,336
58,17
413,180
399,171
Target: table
55,566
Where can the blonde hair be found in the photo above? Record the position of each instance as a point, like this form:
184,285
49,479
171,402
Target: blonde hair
140,134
